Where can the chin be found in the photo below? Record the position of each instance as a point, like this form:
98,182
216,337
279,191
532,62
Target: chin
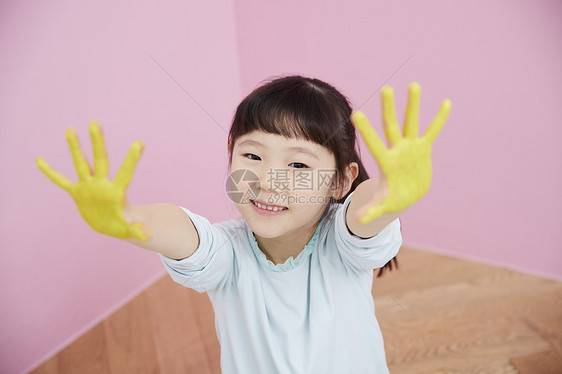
264,229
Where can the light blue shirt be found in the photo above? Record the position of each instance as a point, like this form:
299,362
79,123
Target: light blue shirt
312,314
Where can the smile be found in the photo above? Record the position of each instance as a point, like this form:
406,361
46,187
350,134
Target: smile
267,207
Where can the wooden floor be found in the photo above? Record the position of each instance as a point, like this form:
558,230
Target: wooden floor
438,314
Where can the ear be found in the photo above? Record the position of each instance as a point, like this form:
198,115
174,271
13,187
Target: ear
351,172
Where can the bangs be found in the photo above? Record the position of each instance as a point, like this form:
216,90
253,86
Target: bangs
299,111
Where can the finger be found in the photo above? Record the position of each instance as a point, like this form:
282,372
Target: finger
101,163
80,162
439,121
125,173
411,124
369,135
372,213
53,175
391,128
140,232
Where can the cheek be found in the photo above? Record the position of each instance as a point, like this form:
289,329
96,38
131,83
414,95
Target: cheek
234,164
242,185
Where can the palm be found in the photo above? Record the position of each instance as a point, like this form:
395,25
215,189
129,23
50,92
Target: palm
406,165
99,200
100,203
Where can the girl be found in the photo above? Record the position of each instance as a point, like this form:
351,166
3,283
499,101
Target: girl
290,282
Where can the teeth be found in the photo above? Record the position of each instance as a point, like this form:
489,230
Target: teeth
267,207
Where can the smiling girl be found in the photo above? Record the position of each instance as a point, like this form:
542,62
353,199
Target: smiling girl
290,280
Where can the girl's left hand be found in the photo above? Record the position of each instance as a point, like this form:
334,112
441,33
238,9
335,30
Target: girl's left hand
406,165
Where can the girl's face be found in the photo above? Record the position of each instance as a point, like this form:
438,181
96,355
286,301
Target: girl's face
294,175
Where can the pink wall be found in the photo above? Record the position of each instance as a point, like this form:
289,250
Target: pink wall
495,195
497,162
64,64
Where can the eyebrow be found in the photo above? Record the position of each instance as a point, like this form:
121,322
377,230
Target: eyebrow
297,149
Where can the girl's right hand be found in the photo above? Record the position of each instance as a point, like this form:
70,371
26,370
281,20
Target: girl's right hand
101,202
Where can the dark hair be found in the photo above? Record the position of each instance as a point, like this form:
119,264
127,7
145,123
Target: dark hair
306,108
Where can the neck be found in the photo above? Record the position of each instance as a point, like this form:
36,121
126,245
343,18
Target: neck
278,250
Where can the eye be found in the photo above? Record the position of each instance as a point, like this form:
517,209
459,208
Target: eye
299,165
251,156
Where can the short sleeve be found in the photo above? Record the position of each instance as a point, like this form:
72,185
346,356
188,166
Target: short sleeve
366,254
210,267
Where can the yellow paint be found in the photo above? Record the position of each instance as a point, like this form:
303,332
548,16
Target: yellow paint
99,200
406,163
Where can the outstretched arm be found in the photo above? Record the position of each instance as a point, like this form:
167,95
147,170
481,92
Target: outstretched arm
173,233
103,204
405,166
363,197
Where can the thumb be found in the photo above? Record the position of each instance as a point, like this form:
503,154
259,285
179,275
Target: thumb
375,208
372,212
141,232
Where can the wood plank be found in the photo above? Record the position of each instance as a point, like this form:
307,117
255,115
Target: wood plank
175,328
464,320
540,363
543,362
203,310
129,345
430,347
85,355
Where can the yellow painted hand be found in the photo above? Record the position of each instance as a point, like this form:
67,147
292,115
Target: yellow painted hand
406,164
100,201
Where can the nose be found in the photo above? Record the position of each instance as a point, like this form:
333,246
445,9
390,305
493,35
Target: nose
273,180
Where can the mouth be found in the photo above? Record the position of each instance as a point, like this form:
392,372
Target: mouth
269,207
